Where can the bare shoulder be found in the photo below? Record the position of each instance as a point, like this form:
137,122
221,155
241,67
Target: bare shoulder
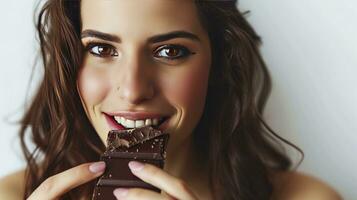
296,185
12,185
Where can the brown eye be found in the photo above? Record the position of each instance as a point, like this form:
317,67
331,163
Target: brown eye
102,50
172,52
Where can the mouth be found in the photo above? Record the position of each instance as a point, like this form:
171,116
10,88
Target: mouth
117,122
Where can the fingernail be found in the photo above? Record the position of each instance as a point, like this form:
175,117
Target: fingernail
136,166
120,192
97,167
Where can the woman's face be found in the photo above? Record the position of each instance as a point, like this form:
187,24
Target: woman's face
145,61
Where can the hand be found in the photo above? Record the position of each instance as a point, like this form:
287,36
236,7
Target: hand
57,185
173,187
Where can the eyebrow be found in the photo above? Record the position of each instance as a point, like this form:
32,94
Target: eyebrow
152,39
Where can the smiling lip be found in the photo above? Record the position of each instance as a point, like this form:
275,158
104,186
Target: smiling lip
113,125
134,116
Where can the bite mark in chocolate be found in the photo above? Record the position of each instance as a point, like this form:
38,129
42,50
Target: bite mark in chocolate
144,144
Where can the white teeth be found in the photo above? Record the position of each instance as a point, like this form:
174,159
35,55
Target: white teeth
117,119
148,122
139,123
127,123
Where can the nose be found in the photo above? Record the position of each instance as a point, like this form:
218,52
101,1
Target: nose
135,84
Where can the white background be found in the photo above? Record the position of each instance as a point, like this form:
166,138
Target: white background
310,48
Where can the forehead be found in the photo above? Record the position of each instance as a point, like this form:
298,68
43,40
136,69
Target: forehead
137,17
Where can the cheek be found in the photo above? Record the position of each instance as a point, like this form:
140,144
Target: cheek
93,86
188,89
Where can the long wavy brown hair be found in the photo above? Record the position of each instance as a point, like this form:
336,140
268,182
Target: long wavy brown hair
242,148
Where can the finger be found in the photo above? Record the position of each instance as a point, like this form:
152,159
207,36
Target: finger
138,194
57,185
161,179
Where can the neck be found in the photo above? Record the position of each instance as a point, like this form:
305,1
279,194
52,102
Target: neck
179,158
182,163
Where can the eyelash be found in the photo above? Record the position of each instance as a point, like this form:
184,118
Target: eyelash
113,53
184,51
89,47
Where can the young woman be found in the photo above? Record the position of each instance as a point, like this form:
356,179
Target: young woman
190,67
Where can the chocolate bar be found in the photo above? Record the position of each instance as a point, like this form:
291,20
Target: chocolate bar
144,144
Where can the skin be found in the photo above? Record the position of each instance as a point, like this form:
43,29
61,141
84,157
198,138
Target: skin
147,80
175,88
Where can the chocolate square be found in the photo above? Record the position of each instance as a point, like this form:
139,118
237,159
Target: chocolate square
144,144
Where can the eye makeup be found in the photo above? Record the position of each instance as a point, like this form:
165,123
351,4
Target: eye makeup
184,52
169,52
101,49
